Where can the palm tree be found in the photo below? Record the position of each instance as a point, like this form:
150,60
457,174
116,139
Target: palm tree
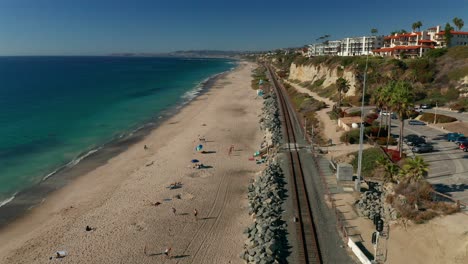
417,25
390,169
448,34
402,102
343,87
415,169
458,22
378,99
374,31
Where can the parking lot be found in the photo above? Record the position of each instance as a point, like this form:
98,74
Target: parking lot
448,169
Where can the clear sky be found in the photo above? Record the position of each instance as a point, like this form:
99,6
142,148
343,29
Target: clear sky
99,27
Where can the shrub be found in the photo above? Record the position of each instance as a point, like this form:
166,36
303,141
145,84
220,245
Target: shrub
369,158
435,53
382,141
351,136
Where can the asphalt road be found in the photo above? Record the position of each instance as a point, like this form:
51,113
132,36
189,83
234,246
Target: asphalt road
448,165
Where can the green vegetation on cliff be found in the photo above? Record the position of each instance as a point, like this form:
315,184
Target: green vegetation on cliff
435,77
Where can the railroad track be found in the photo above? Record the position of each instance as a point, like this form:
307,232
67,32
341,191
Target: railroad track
308,248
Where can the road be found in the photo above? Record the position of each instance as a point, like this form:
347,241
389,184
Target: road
448,170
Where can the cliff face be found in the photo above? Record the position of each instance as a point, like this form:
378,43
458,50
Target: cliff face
312,73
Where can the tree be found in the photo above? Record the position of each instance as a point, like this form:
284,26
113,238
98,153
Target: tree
417,25
379,98
390,169
343,87
414,170
448,34
402,103
374,31
458,22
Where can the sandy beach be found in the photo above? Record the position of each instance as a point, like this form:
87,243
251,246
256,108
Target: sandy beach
117,199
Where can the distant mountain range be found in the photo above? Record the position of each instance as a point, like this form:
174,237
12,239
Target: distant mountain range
186,53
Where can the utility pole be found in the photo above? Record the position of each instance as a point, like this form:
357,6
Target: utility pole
435,115
305,128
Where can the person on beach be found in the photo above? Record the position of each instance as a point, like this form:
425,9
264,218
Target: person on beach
174,210
167,252
145,147
231,149
195,214
201,139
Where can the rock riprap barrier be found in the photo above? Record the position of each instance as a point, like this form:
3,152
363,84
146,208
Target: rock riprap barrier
266,237
270,121
371,202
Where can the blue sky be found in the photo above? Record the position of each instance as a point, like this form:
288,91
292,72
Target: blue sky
98,27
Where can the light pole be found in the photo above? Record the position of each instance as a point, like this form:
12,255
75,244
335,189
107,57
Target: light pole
357,183
435,115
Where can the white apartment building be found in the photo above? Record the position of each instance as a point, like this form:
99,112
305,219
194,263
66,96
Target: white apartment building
355,46
358,46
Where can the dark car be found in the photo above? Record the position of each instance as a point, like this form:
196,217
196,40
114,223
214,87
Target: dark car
464,146
414,141
416,122
461,140
409,137
423,148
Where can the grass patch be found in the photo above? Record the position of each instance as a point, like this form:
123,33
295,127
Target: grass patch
429,118
369,158
458,73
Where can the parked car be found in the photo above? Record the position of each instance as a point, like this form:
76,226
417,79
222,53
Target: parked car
425,106
409,137
423,148
464,146
385,113
416,122
454,136
414,140
461,140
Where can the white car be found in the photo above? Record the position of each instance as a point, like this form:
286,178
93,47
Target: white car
386,113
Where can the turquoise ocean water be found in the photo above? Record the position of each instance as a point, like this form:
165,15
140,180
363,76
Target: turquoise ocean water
53,110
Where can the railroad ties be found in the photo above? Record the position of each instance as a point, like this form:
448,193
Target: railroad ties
308,249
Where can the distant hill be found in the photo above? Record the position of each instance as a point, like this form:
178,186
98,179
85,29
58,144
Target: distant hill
185,53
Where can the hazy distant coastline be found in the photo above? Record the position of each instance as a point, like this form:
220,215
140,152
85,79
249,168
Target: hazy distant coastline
188,54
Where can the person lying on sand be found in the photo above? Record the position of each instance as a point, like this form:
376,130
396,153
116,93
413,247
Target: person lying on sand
88,228
167,252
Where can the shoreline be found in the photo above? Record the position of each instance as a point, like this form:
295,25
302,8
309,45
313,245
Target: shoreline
117,198
23,201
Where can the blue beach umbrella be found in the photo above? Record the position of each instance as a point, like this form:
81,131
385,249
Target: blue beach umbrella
199,147
195,161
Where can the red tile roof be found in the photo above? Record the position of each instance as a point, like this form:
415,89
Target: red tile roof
426,41
454,33
402,48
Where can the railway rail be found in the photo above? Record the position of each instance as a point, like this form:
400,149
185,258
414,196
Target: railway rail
308,248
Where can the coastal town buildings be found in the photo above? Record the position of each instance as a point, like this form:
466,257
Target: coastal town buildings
398,45
354,46
357,46
416,44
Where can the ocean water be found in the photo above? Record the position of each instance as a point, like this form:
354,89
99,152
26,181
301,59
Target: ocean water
53,110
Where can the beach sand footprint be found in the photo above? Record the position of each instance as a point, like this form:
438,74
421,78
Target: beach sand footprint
138,226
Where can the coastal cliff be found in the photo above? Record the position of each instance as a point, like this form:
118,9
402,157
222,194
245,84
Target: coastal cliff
440,77
324,74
